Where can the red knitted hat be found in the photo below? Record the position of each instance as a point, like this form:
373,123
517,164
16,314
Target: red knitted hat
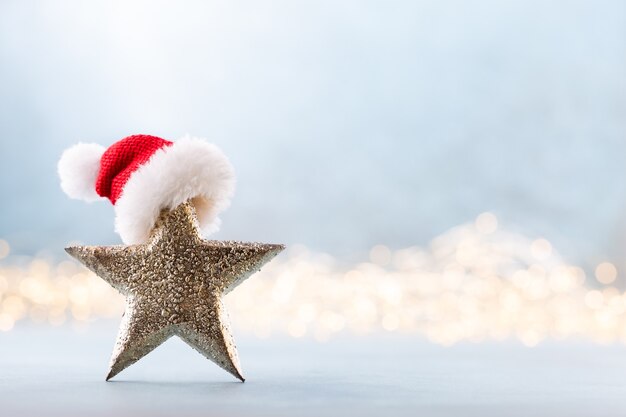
143,174
122,159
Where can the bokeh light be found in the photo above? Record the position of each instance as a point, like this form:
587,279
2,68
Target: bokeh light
606,273
473,283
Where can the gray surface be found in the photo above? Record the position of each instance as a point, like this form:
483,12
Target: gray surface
45,371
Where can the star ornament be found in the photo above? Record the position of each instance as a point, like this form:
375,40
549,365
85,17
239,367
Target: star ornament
174,285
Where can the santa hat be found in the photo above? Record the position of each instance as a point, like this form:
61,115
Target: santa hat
142,174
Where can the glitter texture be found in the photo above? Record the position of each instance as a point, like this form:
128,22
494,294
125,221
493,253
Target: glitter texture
174,285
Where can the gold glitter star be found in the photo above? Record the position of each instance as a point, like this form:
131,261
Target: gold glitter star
174,285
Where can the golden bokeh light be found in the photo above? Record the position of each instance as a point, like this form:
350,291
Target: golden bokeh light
541,249
380,255
473,283
5,249
606,273
486,223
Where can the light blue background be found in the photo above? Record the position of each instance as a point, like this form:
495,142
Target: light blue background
350,123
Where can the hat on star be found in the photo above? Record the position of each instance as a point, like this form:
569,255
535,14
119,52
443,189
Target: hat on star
143,174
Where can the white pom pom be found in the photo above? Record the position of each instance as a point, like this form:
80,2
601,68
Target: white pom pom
78,169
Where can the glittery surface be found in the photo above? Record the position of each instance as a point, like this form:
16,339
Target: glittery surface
174,285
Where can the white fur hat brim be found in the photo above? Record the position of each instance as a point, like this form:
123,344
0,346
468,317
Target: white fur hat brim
189,169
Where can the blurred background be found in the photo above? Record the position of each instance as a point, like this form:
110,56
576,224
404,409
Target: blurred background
453,168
